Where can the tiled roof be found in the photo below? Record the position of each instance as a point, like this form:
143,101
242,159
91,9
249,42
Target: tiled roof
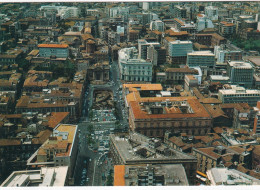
53,46
56,118
198,109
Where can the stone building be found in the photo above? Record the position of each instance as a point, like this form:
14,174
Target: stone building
99,72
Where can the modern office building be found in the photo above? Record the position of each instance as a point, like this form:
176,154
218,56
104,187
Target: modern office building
240,73
238,94
178,51
58,50
136,149
202,59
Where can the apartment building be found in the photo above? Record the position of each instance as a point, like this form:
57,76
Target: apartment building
60,149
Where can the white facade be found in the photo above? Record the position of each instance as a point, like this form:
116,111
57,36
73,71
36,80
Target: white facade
133,69
211,12
180,48
143,47
146,5
203,22
63,11
238,94
157,25
201,59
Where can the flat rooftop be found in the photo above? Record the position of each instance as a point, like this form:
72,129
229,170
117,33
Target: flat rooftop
240,64
219,77
202,53
47,176
134,147
239,90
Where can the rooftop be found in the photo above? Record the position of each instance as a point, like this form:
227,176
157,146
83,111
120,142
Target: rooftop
202,53
46,177
224,176
134,147
53,46
240,64
166,175
194,109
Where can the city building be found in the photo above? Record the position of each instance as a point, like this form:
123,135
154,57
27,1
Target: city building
63,11
211,12
98,73
136,149
153,116
45,177
176,75
203,22
240,73
157,25
226,29
225,54
178,51
238,94
60,149
190,82
133,69
219,78
150,175
182,25
257,120
58,50
143,48
203,59
219,156
225,176
179,11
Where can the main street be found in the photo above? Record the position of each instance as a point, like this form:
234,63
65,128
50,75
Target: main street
97,162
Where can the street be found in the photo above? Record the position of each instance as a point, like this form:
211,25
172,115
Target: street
96,163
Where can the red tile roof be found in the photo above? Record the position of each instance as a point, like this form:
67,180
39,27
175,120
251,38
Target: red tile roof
52,46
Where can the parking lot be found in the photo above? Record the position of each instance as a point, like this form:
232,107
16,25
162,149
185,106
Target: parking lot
103,115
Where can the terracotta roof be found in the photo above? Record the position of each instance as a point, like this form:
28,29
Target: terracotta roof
56,118
199,110
215,111
41,137
9,142
53,46
181,70
119,175
209,151
133,87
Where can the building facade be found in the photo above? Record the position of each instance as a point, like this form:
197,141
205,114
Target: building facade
240,73
58,50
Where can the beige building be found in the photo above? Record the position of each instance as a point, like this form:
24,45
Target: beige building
59,150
